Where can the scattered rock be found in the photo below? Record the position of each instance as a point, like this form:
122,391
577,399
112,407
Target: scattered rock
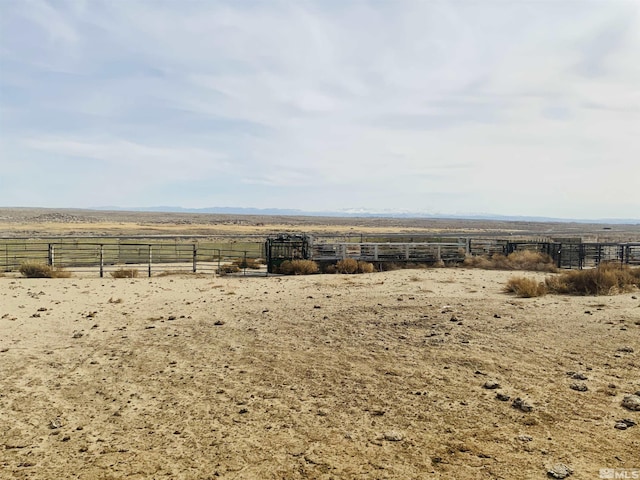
559,470
171,317
631,402
491,385
525,438
625,349
218,322
55,423
579,387
453,318
625,423
521,404
579,376
502,397
78,335
393,436
495,315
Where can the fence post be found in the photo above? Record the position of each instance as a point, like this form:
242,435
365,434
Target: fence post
195,255
101,261
50,256
150,259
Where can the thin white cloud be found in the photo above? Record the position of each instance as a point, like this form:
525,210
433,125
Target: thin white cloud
435,106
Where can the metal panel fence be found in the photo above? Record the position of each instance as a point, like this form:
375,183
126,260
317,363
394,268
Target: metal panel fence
148,258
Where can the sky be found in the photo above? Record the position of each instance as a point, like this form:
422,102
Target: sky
501,107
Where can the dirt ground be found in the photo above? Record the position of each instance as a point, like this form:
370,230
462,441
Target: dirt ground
377,376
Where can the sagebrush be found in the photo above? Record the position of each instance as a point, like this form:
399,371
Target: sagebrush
298,267
39,270
525,287
606,279
519,260
351,266
251,263
125,273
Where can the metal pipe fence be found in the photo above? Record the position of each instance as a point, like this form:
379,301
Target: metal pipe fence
145,258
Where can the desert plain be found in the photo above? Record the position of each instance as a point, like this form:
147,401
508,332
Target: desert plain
389,375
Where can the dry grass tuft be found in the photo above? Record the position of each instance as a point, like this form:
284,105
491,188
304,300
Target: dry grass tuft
606,279
351,266
252,263
39,270
230,268
520,260
525,287
298,267
125,273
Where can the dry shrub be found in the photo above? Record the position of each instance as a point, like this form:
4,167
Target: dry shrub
125,273
606,279
518,260
298,267
365,267
351,266
230,268
39,270
525,287
252,263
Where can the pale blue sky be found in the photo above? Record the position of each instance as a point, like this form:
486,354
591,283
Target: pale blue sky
452,107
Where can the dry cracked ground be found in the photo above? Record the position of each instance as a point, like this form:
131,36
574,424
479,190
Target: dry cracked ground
379,376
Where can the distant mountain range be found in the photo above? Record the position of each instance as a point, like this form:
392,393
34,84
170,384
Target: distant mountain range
362,213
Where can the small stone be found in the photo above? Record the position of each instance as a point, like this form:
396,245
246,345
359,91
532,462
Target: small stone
579,376
495,315
560,470
453,318
218,322
78,335
55,423
621,426
502,397
579,387
628,422
491,385
521,404
625,349
393,436
525,438
171,317
631,402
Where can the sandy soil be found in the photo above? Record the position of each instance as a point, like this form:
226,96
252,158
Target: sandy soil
374,376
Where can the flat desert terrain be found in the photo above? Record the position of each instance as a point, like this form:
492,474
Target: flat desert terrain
376,376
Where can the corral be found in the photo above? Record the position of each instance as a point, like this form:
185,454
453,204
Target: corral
207,254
